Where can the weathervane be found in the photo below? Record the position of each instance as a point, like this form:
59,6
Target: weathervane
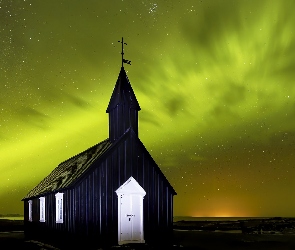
122,53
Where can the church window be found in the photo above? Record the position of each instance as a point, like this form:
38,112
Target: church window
59,207
42,209
30,210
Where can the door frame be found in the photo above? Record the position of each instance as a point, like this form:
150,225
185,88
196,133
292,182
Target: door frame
130,188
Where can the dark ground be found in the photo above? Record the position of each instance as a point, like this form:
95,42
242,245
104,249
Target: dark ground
12,237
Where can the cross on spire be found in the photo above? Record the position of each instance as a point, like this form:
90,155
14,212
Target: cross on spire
122,53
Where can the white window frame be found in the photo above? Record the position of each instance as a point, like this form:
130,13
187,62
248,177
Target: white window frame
42,209
59,208
30,210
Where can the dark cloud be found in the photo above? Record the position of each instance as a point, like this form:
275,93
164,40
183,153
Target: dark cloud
146,116
223,113
233,94
78,101
34,117
175,104
284,71
226,99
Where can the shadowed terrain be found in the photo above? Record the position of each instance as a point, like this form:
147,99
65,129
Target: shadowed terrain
268,234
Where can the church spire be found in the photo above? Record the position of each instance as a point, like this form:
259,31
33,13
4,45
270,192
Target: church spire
123,93
123,106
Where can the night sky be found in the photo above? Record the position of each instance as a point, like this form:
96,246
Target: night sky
215,81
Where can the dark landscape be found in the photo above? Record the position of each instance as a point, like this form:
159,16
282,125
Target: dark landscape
272,233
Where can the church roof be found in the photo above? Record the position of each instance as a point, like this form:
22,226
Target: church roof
123,93
67,172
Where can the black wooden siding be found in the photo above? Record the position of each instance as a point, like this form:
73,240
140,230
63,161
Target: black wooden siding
91,206
121,118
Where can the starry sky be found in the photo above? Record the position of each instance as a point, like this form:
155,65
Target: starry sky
215,80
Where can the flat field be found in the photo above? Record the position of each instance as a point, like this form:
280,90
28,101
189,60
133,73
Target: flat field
186,236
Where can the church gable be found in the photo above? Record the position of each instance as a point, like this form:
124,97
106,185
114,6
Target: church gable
126,157
129,157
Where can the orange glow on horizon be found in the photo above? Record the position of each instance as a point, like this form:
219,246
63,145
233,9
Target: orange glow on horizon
223,214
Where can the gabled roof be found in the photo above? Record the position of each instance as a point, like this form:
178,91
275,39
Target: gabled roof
67,172
123,93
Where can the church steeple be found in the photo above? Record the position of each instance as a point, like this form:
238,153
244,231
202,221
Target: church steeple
123,108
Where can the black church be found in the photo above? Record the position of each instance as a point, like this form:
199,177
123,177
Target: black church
112,193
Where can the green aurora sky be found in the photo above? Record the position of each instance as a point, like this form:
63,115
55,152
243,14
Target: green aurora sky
215,81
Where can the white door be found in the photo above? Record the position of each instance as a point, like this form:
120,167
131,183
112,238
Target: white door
130,212
130,217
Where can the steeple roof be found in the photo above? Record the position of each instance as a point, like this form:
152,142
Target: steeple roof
123,93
